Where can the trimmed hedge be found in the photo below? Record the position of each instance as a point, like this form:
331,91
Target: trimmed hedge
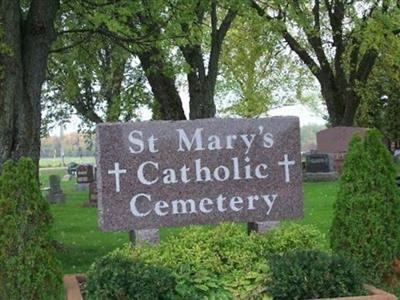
28,268
366,225
116,276
313,274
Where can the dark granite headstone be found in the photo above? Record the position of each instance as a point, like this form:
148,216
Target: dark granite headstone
93,193
71,168
85,174
55,194
156,174
319,163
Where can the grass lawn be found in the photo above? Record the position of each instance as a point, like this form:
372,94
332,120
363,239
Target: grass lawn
81,241
56,162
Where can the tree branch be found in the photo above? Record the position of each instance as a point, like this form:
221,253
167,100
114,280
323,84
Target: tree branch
302,53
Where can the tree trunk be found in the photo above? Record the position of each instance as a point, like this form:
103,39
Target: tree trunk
342,102
24,66
162,85
201,98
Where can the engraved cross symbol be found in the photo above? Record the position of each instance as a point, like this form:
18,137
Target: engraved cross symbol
286,163
117,172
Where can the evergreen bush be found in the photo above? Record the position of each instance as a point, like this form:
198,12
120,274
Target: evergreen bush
28,268
366,225
312,274
116,276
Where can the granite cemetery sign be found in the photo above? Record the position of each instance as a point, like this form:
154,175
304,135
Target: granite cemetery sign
156,174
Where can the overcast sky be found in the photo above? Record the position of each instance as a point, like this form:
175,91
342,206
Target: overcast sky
306,115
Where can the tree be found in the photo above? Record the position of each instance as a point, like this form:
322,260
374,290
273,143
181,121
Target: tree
99,80
27,33
365,224
380,105
257,72
339,41
169,39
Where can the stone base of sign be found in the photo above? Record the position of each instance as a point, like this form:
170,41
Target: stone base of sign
261,227
81,187
320,176
144,236
56,198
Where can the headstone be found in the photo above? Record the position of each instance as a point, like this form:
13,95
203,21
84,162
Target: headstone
71,168
55,194
92,194
157,174
319,162
85,174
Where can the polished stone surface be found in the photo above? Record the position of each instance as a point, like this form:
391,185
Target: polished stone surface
164,173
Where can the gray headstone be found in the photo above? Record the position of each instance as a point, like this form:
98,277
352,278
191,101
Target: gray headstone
81,187
55,194
156,174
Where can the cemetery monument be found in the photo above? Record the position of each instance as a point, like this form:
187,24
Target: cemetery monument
156,174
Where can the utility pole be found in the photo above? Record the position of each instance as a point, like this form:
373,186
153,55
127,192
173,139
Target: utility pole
62,143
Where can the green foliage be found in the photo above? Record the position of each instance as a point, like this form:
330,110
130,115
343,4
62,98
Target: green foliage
116,276
28,269
313,274
290,237
221,263
257,75
383,81
365,226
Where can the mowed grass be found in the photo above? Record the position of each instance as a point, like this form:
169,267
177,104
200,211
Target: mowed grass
81,241
56,162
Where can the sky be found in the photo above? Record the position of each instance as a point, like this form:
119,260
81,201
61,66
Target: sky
305,114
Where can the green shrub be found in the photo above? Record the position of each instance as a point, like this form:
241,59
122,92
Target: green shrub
290,237
312,274
116,276
366,225
223,262
28,269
